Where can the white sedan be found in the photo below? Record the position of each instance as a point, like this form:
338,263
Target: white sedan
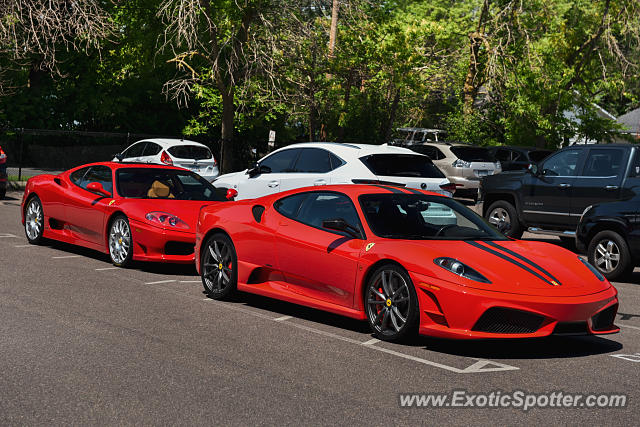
322,163
182,153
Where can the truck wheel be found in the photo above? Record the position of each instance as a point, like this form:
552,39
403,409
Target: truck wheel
609,253
503,216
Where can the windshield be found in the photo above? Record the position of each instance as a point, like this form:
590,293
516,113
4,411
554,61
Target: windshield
194,152
473,154
423,217
408,165
160,183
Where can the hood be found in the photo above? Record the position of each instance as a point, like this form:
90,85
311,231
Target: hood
229,177
186,210
513,266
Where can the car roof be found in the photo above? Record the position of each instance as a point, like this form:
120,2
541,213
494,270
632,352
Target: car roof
169,142
352,150
355,190
128,165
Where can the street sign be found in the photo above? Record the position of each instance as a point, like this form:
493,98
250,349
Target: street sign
272,138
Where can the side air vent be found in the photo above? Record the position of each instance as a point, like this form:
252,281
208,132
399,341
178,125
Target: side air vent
604,320
257,212
178,248
499,320
571,328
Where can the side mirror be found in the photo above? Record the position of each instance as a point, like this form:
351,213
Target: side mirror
258,170
119,156
339,224
96,187
231,194
533,169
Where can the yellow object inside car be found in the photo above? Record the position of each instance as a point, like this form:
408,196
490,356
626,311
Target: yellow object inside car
159,190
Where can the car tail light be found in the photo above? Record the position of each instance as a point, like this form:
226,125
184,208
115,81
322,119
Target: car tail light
166,219
166,159
214,162
3,158
459,163
450,187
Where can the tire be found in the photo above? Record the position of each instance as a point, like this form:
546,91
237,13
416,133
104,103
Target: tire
504,211
120,242
3,192
219,267
391,303
609,253
34,220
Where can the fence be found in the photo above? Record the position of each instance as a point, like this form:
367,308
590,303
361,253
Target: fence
35,151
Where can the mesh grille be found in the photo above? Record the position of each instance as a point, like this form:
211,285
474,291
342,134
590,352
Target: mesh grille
604,320
501,320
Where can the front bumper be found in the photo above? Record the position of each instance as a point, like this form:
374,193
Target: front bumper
158,244
448,310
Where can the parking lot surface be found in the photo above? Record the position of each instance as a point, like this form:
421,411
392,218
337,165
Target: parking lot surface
84,342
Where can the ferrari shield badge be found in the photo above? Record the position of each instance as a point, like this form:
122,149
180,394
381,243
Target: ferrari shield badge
369,246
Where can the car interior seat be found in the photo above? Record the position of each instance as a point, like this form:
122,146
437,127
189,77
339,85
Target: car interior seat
159,190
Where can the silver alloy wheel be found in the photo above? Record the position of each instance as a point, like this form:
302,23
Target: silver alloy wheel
218,266
388,302
607,255
34,220
500,216
119,240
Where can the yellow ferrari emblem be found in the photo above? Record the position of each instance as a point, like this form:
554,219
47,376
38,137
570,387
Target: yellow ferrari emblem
220,266
369,246
111,202
388,303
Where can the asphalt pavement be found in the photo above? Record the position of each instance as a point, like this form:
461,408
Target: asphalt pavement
83,342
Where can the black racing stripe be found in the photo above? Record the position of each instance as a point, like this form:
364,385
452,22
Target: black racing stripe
413,190
393,190
511,260
522,258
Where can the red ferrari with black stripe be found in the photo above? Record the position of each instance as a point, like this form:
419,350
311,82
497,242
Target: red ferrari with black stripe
127,210
405,260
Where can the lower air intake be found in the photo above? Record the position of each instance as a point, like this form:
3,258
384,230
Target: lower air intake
604,320
499,320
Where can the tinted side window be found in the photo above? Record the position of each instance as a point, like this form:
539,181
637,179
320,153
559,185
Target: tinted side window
503,155
101,174
426,150
282,161
290,206
134,151
563,163
634,170
151,149
603,162
406,165
313,160
77,177
336,161
322,206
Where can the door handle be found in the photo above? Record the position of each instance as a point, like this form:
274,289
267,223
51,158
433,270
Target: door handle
564,185
320,182
611,187
272,184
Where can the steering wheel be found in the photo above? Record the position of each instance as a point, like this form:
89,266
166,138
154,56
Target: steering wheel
442,229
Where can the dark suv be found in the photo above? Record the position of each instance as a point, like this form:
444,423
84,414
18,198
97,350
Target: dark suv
516,158
550,198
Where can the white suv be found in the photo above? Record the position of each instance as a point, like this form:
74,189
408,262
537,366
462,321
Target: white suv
322,163
182,153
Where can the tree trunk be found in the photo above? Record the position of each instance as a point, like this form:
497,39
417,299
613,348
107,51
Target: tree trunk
333,33
471,84
386,132
227,149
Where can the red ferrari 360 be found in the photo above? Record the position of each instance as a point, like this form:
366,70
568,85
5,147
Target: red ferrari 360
130,211
405,260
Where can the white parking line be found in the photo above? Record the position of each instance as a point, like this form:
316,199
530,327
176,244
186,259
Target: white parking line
66,256
107,268
190,281
477,367
629,326
371,341
8,235
159,281
24,246
283,318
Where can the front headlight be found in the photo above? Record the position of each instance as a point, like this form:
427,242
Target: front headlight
462,270
593,269
166,219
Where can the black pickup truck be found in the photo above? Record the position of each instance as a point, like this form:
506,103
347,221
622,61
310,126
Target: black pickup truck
550,197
